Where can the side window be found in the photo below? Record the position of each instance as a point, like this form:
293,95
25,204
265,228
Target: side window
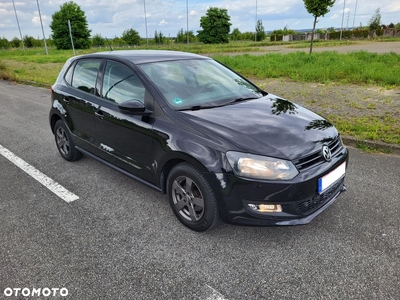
121,84
85,74
68,75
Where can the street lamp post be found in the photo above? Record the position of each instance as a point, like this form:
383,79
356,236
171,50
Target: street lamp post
145,21
341,30
355,11
41,23
187,23
255,35
19,28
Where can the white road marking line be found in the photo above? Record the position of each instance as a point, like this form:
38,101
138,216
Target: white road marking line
215,294
49,183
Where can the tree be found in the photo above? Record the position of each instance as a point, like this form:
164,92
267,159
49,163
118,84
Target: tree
15,42
247,36
98,40
284,31
260,31
391,25
131,37
4,43
29,41
216,26
159,38
397,26
118,42
181,36
317,8
236,35
59,26
375,22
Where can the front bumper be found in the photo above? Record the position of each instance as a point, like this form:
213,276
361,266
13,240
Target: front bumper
299,198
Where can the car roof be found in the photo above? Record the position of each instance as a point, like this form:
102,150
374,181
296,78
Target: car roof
145,56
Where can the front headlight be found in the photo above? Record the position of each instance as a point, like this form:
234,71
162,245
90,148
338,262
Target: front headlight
261,167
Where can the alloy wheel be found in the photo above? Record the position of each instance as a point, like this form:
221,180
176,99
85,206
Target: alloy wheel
62,141
187,198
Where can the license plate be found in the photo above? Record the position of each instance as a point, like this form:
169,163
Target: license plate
326,181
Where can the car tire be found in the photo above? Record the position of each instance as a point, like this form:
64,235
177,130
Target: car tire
64,142
191,198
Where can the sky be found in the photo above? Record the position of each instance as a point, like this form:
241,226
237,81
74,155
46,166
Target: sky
110,18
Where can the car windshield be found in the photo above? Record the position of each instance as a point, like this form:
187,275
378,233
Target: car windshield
199,83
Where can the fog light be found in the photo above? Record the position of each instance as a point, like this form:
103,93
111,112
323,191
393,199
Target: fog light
266,207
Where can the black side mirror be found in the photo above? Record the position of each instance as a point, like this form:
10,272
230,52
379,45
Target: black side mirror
134,107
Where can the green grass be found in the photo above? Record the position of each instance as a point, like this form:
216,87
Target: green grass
356,67
375,128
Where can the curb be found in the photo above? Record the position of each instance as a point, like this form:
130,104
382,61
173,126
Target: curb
34,83
374,145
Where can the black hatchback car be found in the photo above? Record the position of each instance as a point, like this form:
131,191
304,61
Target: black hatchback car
186,125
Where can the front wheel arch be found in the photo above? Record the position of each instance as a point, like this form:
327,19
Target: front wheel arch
172,162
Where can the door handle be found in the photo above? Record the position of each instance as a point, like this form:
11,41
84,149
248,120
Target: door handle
99,114
66,100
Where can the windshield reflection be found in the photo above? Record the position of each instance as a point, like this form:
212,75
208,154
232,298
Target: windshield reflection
198,83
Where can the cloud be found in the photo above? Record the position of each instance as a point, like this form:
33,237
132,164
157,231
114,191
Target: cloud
111,18
36,19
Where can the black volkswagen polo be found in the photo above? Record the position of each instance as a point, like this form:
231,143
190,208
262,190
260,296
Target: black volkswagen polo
184,124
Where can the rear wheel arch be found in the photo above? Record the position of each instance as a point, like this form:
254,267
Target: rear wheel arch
53,120
64,142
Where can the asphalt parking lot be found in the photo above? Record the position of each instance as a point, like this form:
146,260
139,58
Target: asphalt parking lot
120,239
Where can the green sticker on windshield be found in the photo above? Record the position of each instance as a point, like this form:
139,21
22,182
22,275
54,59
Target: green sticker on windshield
177,101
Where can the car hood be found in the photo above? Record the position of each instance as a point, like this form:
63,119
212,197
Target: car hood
267,126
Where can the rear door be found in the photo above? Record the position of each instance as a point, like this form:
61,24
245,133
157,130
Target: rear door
81,97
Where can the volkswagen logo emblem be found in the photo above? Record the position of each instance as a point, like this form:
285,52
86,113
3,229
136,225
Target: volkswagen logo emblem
326,152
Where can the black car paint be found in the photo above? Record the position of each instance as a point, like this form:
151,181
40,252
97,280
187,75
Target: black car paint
147,147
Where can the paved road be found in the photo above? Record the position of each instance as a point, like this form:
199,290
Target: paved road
120,240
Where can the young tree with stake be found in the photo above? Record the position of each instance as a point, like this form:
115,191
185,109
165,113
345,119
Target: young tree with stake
318,8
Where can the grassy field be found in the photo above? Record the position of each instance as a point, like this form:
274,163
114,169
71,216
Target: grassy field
328,68
356,67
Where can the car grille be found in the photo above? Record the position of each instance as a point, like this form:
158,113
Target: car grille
316,158
312,204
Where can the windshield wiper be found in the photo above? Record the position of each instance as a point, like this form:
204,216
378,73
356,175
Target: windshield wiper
243,99
198,107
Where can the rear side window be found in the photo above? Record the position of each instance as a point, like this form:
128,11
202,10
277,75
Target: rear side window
85,74
68,75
